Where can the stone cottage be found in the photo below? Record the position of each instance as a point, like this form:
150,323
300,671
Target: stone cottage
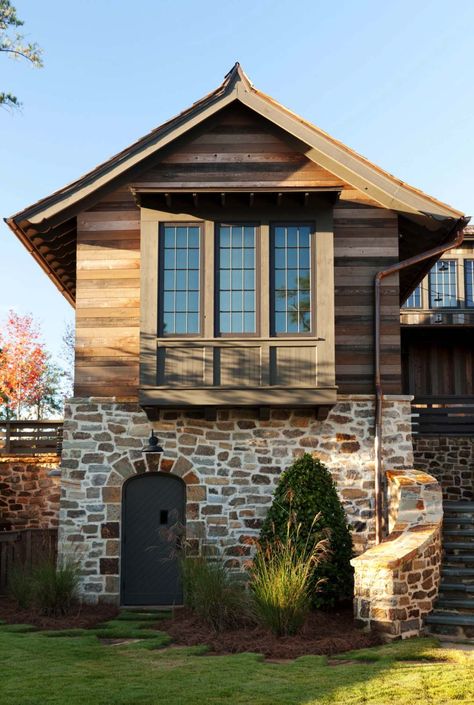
222,269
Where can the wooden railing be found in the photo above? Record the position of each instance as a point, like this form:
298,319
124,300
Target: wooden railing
30,437
25,549
443,416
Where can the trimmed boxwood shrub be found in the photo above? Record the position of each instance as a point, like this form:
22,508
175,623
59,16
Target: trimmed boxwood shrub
306,490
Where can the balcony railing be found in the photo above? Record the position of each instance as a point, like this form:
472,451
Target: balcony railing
443,416
31,437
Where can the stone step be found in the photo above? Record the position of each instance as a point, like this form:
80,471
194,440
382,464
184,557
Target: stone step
459,532
458,545
458,558
451,626
441,617
466,574
458,507
446,586
462,520
464,605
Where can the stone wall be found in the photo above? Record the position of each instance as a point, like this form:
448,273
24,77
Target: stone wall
230,467
396,583
451,460
29,492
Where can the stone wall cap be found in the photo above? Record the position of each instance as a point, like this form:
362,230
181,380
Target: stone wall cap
42,459
371,397
102,400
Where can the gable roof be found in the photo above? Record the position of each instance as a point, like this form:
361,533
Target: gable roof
47,228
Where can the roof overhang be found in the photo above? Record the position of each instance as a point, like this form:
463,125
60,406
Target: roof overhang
45,227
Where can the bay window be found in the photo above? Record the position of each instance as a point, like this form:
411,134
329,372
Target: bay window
237,311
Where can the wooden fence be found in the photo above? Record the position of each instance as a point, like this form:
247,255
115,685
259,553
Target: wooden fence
30,437
25,549
443,416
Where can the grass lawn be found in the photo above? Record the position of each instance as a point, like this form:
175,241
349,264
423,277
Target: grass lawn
74,668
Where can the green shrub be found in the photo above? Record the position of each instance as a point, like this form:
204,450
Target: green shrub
307,490
281,578
20,586
55,588
211,593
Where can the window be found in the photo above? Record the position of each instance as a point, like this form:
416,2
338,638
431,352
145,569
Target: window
414,300
443,286
236,269
291,279
469,281
180,279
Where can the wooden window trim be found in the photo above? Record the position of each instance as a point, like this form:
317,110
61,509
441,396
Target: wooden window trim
161,226
313,333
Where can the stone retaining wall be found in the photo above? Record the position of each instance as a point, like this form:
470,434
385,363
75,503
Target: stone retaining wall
396,582
451,460
230,467
29,492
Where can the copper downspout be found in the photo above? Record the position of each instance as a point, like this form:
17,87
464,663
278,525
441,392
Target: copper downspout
458,230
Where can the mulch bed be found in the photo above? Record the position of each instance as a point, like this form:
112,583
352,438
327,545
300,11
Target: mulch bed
80,617
323,634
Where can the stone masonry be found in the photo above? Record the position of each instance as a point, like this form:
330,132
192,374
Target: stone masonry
451,460
29,492
396,583
230,467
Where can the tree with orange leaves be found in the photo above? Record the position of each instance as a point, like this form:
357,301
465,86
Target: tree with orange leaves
23,364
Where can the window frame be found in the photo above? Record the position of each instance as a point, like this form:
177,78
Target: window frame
161,248
312,333
432,304
466,299
257,224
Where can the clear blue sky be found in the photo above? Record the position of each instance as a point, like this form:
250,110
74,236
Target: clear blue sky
392,80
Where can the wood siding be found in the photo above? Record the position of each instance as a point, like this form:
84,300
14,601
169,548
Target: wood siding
236,151
365,241
108,297
438,363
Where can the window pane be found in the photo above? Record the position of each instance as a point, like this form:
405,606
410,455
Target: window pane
249,279
469,280
236,277
280,236
193,323
169,279
181,237
225,300
193,237
304,258
193,259
292,279
224,323
179,274
170,234
414,300
249,322
181,259
193,280
170,259
443,284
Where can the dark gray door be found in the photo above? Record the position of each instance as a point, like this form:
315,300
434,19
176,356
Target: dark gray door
152,514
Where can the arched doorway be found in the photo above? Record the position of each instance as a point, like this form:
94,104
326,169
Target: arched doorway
153,510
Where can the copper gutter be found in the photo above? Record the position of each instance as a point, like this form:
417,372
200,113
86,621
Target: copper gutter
458,231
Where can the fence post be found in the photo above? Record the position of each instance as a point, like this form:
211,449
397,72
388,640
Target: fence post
7,437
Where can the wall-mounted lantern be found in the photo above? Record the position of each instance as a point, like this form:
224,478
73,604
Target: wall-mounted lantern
153,445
